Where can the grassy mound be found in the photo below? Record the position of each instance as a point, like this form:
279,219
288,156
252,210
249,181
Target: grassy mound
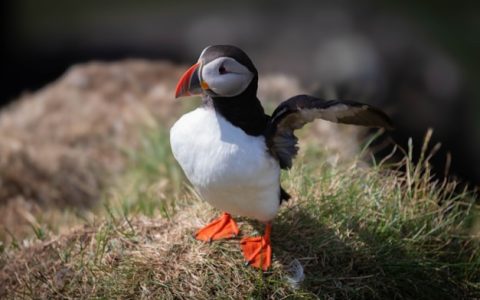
348,232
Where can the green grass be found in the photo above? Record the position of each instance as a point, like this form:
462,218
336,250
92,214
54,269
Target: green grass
358,232
153,181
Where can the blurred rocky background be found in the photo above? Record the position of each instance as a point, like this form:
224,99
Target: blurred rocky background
417,60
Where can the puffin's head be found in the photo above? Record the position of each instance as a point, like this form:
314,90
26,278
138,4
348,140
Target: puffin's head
221,71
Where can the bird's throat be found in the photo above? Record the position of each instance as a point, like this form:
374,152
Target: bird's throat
244,111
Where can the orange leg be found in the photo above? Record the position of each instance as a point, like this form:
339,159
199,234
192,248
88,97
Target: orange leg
222,228
257,250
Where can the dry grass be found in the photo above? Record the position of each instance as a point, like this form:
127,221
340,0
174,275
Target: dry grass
357,232
56,140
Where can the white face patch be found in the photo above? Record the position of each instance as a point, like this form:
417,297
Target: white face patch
226,77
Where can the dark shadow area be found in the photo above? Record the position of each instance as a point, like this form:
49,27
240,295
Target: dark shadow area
375,268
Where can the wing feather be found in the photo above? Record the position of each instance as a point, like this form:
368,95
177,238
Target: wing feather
297,111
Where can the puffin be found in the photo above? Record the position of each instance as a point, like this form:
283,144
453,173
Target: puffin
232,152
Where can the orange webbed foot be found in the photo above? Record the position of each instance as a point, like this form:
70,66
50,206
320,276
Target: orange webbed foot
222,228
257,250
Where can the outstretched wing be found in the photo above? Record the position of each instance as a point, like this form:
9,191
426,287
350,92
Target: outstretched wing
295,112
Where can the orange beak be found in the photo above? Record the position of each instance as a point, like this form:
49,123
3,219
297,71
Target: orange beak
189,83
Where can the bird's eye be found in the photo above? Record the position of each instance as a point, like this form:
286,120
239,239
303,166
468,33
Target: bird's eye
222,70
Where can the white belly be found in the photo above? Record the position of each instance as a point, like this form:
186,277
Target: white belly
230,169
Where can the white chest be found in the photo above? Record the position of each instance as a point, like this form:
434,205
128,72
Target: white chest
232,170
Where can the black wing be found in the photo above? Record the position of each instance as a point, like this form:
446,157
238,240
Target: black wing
295,112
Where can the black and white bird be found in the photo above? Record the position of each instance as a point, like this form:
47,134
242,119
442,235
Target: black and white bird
232,152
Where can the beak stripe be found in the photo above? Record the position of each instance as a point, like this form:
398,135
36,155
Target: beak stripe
184,84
